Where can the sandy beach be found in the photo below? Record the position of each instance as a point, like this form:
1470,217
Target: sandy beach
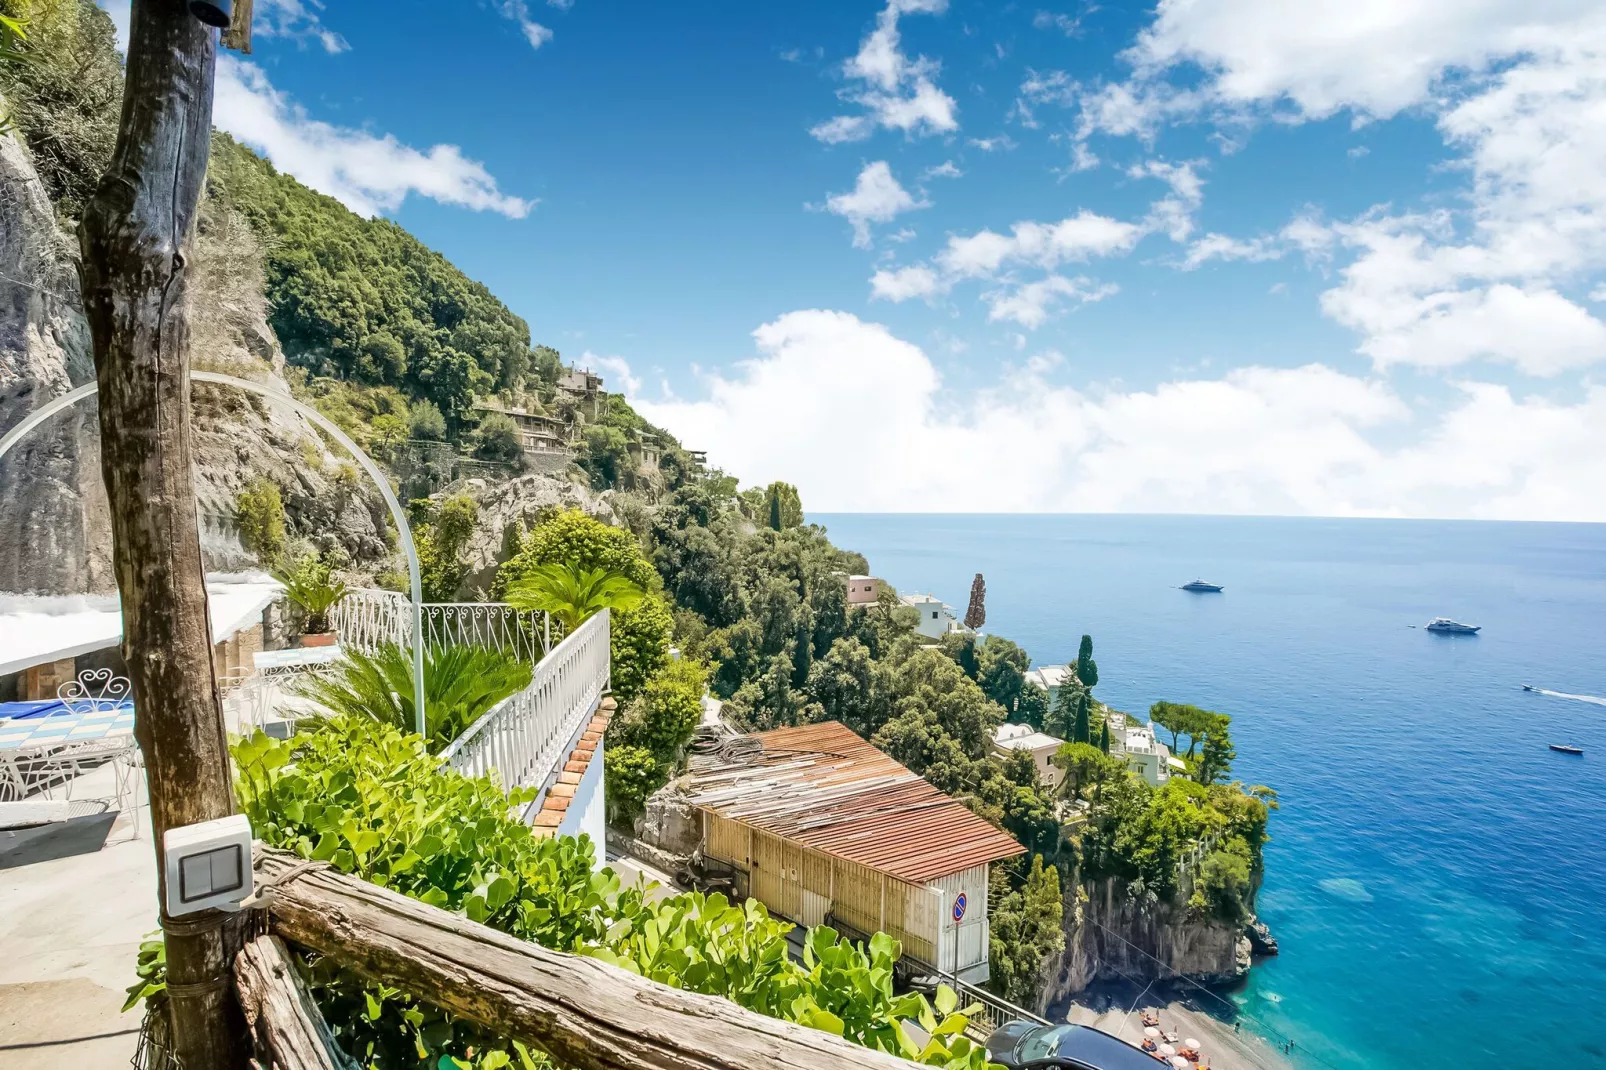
1222,1048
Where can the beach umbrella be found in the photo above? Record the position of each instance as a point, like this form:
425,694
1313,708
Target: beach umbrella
1179,1062
1151,1031
1194,1044
1168,1051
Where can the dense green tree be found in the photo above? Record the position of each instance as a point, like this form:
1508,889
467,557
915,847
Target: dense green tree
783,508
1087,670
961,647
1182,720
1216,752
424,420
1001,670
441,534
828,603
699,574
1104,735
1080,729
605,455
261,510
1027,927
1032,706
1082,765
498,439
665,714
852,687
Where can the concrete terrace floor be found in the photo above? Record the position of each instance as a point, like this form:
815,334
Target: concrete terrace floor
71,920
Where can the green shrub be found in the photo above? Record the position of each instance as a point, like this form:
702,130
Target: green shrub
371,801
261,510
665,714
632,775
461,682
311,584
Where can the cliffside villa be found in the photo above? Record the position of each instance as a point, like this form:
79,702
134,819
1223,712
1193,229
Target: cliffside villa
1041,745
936,616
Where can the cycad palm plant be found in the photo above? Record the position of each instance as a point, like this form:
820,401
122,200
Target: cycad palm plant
461,682
573,594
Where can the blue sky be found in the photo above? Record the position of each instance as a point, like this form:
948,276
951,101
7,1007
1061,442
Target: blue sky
1339,257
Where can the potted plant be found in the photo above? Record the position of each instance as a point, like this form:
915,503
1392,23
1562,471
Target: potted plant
312,586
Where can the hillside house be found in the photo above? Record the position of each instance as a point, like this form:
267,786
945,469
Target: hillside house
1051,678
862,590
1144,754
823,828
936,616
1041,746
538,432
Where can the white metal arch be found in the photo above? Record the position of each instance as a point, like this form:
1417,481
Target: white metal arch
403,529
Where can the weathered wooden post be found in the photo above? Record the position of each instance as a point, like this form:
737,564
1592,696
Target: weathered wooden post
134,237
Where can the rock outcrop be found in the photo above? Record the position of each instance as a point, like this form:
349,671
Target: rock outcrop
1112,937
55,530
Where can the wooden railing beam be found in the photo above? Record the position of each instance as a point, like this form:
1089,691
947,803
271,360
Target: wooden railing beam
583,1012
287,1029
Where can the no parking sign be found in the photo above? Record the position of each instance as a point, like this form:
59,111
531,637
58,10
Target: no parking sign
960,903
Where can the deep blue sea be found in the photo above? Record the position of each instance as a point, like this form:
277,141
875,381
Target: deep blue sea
1437,875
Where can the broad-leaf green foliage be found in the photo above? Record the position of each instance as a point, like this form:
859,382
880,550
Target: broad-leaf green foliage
645,742
461,682
366,301
372,802
640,636
572,594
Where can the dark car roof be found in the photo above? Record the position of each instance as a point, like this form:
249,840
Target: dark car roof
1096,1048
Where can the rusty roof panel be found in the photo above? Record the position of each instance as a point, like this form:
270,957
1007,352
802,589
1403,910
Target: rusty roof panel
822,786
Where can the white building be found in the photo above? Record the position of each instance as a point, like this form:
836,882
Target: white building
1051,678
1041,745
1144,754
936,616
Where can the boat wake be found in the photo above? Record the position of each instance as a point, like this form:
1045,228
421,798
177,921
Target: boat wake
1562,694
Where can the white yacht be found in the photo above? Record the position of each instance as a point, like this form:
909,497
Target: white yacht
1450,627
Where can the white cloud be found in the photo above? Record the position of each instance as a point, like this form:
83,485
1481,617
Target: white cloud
1304,440
1031,304
1045,245
901,284
875,198
370,173
1001,143
946,169
1377,57
296,19
615,370
896,92
518,11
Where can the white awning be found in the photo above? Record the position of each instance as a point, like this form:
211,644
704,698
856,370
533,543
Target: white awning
36,630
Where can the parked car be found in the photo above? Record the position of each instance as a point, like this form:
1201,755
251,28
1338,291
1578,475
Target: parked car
1023,1045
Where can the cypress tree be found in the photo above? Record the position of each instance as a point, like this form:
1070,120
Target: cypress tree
1087,670
1104,736
775,510
1081,732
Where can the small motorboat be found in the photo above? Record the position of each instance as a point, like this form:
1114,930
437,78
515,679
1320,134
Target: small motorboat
1566,748
1201,585
1446,626
1529,687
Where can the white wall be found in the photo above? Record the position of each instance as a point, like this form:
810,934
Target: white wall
964,945
588,813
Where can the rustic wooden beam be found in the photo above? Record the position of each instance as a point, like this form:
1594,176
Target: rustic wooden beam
134,237
287,1029
583,1012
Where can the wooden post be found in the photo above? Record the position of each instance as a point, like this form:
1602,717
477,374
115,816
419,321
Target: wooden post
287,1029
583,1012
134,238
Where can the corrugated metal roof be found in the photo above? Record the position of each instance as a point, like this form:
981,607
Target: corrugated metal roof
822,786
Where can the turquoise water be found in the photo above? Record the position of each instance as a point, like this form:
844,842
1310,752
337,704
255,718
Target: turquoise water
1437,875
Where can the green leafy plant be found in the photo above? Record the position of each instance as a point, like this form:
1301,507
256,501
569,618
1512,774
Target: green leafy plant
461,682
372,802
573,594
312,586
261,509
150,969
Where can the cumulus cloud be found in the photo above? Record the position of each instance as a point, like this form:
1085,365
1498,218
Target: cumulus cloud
894,91
1031,303
901,284
1307,440
369,173
877,197
616,370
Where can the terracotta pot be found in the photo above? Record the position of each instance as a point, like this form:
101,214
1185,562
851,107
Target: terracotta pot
319,639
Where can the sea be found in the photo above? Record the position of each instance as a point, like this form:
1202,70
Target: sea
1436,876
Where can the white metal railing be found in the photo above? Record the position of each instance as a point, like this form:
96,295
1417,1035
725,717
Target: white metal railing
523,737
367,619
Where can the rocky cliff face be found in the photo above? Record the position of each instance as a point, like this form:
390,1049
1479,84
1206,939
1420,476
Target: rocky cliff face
1111,937
509,508
55,531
